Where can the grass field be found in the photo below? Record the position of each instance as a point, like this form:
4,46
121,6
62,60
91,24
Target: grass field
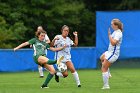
123,81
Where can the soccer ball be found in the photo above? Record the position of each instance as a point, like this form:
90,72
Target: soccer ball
62,67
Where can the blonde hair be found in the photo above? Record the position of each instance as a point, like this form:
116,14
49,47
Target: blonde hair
39,28
64,27
118,23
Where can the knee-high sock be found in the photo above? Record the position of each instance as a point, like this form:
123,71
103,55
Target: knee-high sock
105,78
76,77
40,69
109,74
59,74
51,62
49,77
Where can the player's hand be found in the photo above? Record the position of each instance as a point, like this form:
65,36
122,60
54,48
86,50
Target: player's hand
56,38
65,46
15,49
75,33
31,46
109,33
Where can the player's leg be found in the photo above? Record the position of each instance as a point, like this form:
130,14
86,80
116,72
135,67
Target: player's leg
105,65
102,57
74,73
109,73
60,74
44,60
50,75
40,70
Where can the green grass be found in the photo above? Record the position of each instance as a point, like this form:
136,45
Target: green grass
123,81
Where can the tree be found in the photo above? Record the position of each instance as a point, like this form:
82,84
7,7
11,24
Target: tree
22,18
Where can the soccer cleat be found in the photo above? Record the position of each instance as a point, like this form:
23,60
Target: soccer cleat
79,86
105,87
44,86
59,60
41,76
56,78
110,76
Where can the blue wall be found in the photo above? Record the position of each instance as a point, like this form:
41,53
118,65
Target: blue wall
22,60
130,47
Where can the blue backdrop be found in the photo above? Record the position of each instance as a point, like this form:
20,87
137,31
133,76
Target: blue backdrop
130,47
22,60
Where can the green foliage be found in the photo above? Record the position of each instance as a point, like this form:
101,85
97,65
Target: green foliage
20,18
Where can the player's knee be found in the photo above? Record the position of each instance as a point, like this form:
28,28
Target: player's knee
65,75
104,68
52,71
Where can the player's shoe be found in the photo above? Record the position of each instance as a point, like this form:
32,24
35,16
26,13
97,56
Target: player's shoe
44,86
59,60
105,87
79,86
56,78
110,76
41,76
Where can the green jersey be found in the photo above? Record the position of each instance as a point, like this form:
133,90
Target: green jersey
39,46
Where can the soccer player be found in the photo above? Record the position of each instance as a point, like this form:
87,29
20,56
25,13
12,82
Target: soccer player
59,41
110,56
47,40
40,55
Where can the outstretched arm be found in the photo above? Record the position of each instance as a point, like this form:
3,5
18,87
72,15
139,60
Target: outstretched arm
76,38
57,49
21,45
47,39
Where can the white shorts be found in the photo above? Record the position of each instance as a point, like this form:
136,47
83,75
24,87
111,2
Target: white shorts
111,57
66,58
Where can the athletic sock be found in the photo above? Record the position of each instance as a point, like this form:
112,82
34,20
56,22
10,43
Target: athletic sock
49,77
76,77
105,78
59,74
40,69
109,74
51,62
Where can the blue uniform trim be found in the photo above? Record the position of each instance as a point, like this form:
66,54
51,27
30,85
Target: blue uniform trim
113,52
56,53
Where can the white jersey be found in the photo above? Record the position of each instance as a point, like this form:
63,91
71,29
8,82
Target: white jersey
114,51
117,35
46,39
66,51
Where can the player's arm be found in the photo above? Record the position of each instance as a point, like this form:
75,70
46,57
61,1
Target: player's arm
47,39
76,38
21,45
53,41
112,41
57,49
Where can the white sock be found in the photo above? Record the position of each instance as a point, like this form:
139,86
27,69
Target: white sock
109,74
59,74
40,69
76,77
105,78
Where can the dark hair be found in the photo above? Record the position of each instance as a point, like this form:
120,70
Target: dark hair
37,33
118,23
